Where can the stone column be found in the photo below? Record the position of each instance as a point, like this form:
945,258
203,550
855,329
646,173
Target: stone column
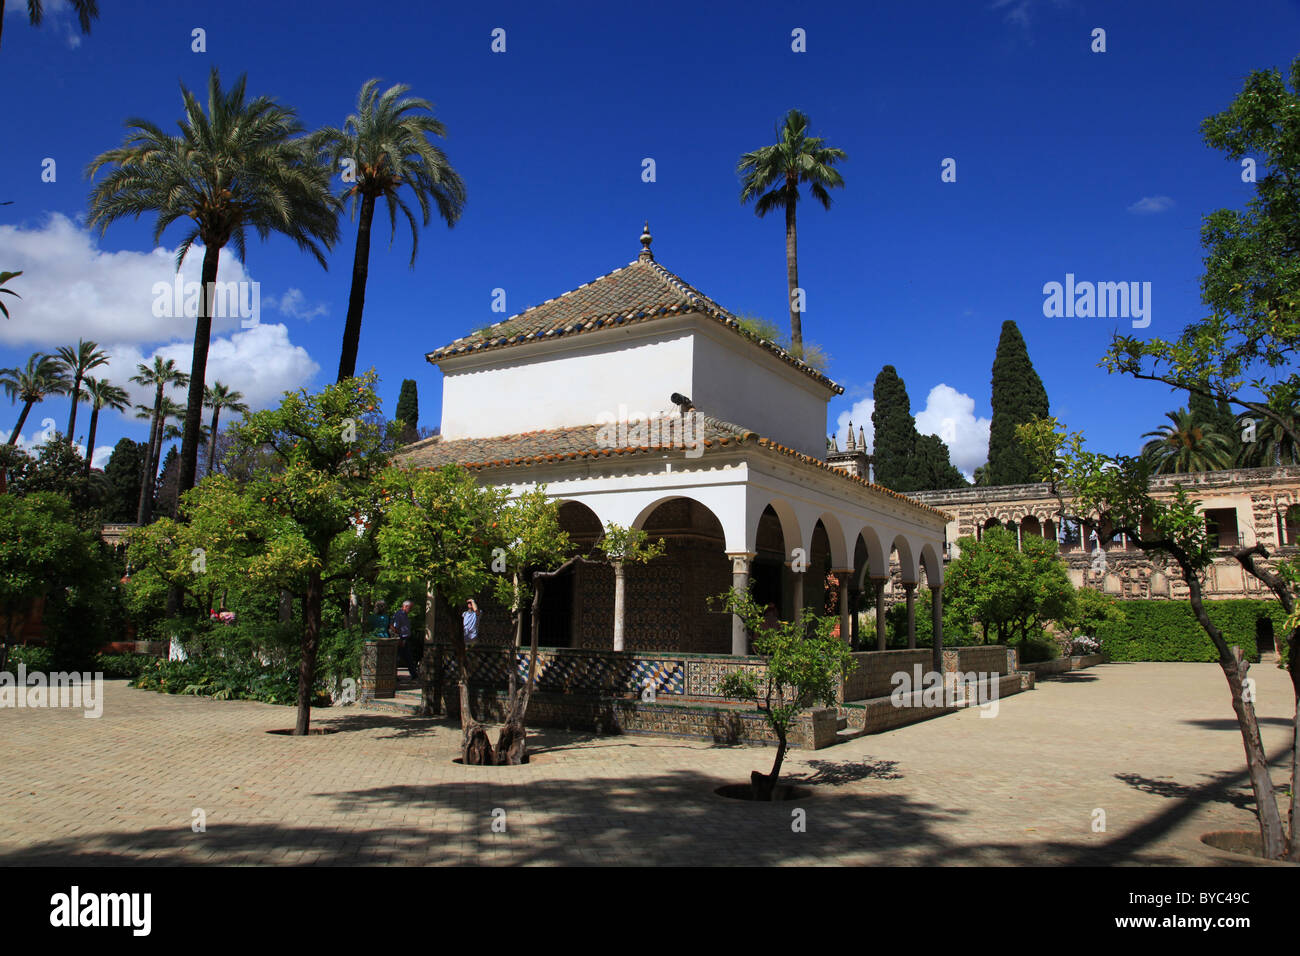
842,576
910,588
879,584
855,605
797,603
620,602
936,611
740,563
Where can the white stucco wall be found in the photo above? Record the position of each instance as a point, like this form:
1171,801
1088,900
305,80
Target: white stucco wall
520,390
600,376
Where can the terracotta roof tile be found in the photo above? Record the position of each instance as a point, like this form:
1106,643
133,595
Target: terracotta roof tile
641,291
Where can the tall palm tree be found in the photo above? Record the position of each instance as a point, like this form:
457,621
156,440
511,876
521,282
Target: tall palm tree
220,397
102,394
86,11
6,276
41,378
241,165
387,139
772,174
1274,442
160,375
1183,446
77,361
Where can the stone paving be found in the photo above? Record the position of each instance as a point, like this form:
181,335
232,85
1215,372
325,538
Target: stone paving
1153,745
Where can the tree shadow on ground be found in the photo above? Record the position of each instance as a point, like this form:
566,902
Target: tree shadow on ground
1214,723
1219,790
838,773
1068,677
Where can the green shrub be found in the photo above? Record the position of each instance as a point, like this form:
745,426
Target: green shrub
1167,630
229,679
34,657
123,665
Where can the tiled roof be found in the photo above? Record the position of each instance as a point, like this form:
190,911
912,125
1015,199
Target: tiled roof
582,442
641,291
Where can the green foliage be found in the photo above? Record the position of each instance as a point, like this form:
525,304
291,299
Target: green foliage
229,679
1167,630
1188,444
805,662
440,527
4,278
1091,611
129,666
1009,592
810,353
903,459
1018,397
956,629
34,656
526,537
59,469
408,404
122,473
42,551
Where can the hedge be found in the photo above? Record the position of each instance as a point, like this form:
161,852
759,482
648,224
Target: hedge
1167,630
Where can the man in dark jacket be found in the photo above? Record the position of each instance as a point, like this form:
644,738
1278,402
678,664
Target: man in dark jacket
402,631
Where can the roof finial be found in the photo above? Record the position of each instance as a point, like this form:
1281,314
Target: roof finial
848,442
646,255
862,439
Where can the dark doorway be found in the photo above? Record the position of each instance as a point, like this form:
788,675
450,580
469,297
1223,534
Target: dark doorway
556,625
1264,640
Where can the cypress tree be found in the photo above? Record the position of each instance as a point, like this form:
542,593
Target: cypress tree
1018,397
408,404
169,483
895,430
933,469
123,476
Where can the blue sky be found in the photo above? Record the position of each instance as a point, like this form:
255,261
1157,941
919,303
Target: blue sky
1068,161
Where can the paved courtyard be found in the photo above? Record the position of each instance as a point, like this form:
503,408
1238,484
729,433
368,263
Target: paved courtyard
1154,746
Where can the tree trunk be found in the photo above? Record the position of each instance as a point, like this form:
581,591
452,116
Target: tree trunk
475,747
1234,668
311,619
149,471
22,420
72,415
212,440
198,373
357,297
764,785
90,440
792,276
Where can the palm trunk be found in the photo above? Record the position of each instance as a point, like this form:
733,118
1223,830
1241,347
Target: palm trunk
357,297
72,415
90,440
198,372
150,470
792,276
311,618
22,420
212,440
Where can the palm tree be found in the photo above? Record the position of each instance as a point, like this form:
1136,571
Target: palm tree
387,139
240,166
220,396
42,377
76,363
160,375
772,174
86,10
102,394
6,276
1183,446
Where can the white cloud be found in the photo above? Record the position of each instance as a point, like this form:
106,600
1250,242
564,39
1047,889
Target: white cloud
294,304
1150,205
948,413
860,416
72,289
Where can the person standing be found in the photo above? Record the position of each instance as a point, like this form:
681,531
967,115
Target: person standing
401,628
469,621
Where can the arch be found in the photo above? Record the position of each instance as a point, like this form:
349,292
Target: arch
835,538
906,558
932,564
791,532
876,564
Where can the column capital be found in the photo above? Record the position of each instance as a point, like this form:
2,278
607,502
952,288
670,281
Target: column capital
740,561
936,587
909,586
